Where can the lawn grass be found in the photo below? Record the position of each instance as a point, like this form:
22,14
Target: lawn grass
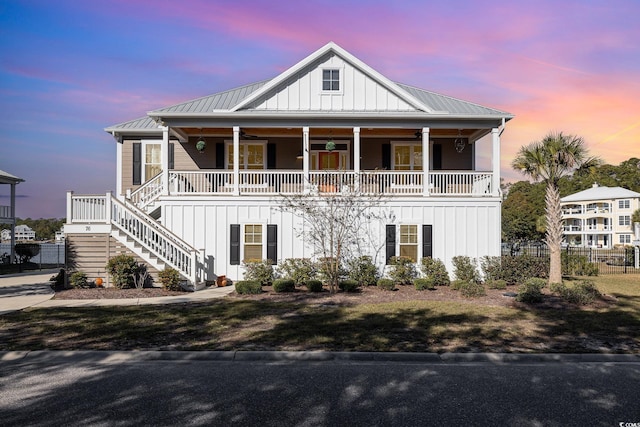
434,326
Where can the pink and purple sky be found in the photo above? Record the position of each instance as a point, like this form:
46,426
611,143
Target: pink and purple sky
69,68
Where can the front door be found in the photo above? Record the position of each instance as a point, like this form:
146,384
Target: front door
328,160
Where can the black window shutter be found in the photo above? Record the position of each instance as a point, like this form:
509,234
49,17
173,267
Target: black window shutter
386,156
171,155
234,249
271,156
220,155
137,163
272,243
427,241
390,242
437,157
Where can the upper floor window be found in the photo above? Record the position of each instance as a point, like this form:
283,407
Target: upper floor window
407,157
624,204
331,80
252,156
152,162
624,220
625,238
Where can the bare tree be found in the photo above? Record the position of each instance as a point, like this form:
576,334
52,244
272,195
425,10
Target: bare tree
336,224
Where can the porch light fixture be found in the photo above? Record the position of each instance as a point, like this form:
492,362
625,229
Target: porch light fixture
459,143
299,156
330,146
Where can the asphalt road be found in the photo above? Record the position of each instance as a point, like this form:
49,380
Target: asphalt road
54,391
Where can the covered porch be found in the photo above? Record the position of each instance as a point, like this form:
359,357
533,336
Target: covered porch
289,160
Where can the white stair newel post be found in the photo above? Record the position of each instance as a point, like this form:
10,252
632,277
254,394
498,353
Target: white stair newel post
69,208
194,268
107,207
202,275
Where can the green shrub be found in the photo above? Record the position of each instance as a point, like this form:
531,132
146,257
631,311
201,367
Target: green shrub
78,280
464,269
363,271
456,285
284,285
491,268
558,288
386,284
584,292
517,269
578,265
170,279
313,285
472,289
297,269
248,287
258,270
424,283
123,268
348,285
433,268
496,284
402,271
325,266
26,251
531,290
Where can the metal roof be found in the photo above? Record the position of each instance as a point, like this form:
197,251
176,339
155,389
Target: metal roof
7,178
237,102
600,193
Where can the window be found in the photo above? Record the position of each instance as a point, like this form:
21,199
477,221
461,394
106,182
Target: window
152,163
409,241
624,204
331,80
625,238
624,220
252,242
252,156
407,157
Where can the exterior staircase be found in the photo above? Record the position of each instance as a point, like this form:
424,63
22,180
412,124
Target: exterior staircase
133,223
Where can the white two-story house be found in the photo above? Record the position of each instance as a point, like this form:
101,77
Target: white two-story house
198,183
599,217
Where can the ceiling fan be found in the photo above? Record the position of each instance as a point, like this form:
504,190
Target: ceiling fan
244,135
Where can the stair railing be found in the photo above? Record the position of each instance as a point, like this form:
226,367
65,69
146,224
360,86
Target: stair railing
154,237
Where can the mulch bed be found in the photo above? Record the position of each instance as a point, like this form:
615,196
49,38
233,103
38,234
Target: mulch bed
113,293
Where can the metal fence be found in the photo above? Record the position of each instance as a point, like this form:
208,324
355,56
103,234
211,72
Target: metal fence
622,260
51,255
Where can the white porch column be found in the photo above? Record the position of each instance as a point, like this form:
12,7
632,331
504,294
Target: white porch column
495,161
426,184
236,160
164,159
305,158
119,193
356,156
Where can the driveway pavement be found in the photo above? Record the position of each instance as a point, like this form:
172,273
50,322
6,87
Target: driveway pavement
33,290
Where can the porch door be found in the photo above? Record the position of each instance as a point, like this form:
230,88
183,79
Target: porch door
328,160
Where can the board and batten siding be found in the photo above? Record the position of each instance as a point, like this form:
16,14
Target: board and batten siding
466,227
358,91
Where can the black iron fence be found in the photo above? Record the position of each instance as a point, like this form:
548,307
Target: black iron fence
49,255
577,260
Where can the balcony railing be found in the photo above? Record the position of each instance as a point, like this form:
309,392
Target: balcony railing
5,211
273,182
572,228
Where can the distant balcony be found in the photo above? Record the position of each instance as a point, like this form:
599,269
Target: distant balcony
570,228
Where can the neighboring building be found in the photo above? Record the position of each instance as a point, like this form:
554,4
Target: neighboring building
22,233
8,213
599,217
60,235
198,182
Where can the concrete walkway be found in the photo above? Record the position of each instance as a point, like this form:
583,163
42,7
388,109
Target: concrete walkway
20,291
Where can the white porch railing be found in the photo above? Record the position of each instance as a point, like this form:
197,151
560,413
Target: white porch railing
148,192
5,211
274,181
143,229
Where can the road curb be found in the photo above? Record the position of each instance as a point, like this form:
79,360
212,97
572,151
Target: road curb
310,356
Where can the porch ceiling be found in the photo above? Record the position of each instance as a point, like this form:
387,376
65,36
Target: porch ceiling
265,132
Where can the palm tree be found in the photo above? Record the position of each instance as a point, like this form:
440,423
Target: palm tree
557,155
